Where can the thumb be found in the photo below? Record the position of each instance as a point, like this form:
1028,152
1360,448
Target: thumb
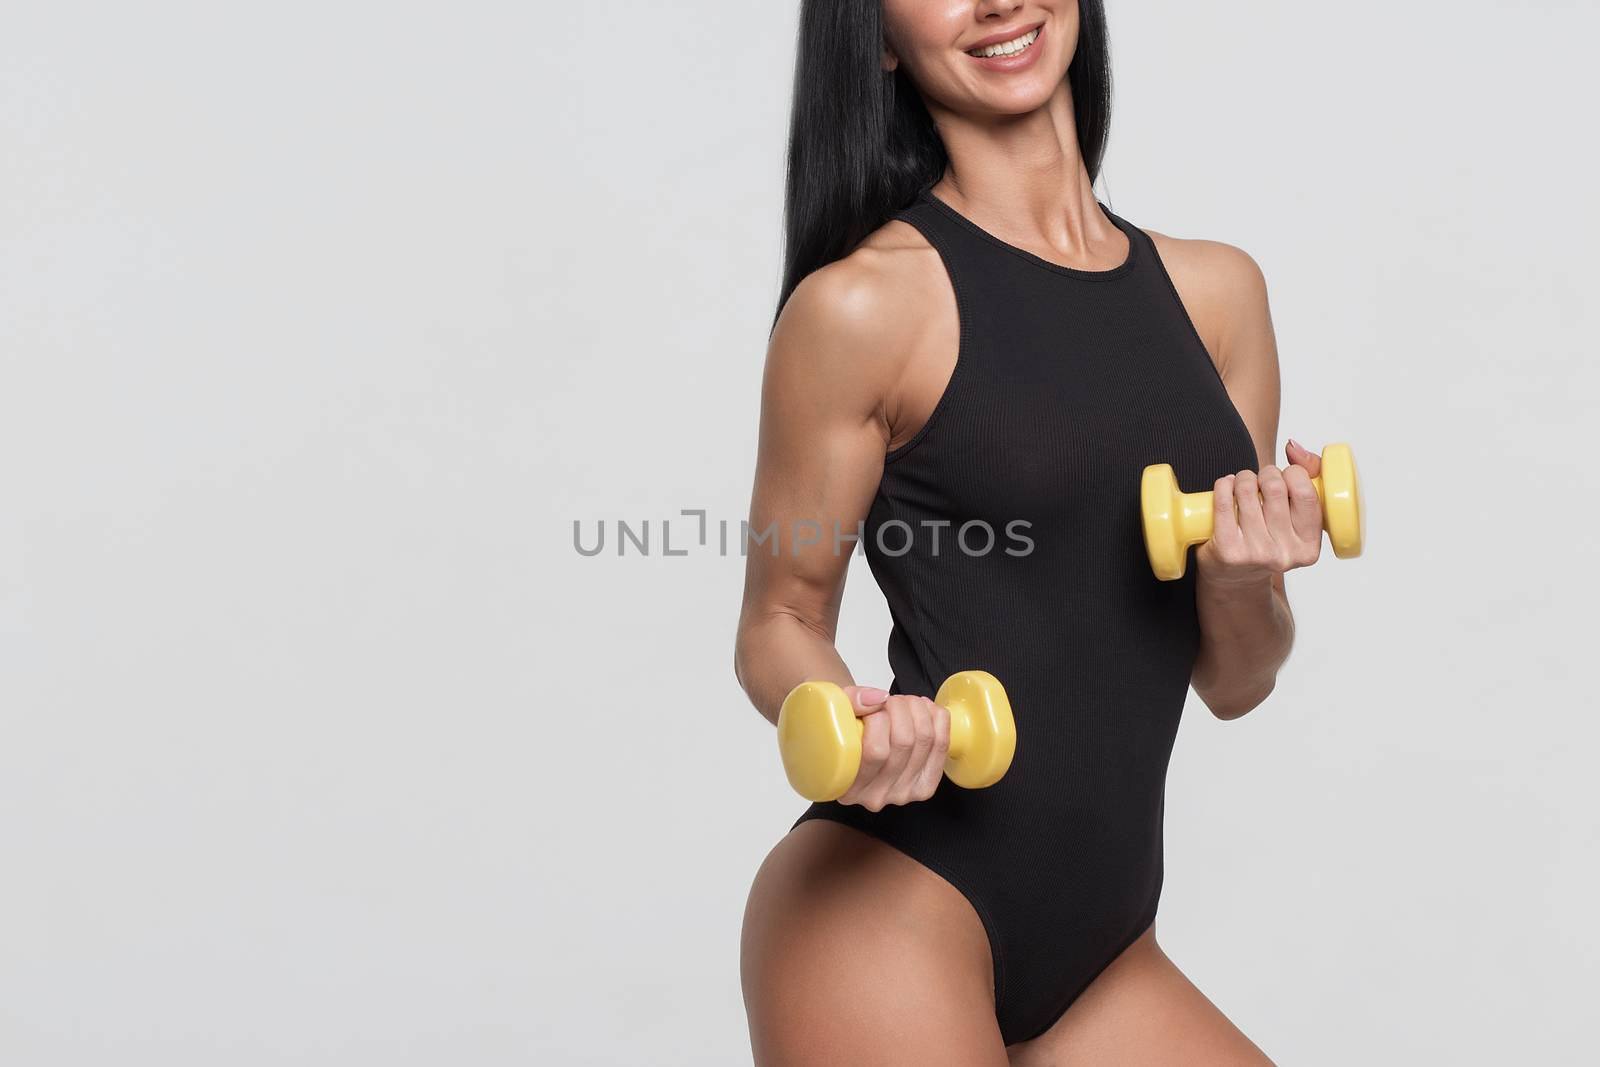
865,698
1301,456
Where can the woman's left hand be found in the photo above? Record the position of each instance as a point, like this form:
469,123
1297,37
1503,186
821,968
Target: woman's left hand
1256,536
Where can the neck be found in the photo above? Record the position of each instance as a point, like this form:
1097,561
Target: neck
1024,176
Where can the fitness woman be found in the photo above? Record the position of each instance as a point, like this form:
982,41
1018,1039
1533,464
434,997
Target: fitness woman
969,341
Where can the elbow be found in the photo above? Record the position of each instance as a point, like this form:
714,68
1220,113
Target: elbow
1236,706
747,659
741,662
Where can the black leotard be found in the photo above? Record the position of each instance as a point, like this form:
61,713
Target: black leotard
1067,383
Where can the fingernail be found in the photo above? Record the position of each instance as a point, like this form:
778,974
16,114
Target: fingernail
1297,444
873,696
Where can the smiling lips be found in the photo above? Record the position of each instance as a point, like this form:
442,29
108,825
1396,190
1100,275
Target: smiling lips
1008,53
1006,48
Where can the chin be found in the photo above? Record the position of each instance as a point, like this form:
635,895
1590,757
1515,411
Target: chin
1019,98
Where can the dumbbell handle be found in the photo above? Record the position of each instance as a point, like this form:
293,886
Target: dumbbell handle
1196,513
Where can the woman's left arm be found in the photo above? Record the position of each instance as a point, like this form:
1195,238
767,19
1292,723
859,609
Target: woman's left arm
1246,625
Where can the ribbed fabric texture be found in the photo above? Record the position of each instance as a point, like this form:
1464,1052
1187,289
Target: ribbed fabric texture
1066,385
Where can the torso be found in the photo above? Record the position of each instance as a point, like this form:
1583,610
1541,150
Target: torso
899,259
1031,390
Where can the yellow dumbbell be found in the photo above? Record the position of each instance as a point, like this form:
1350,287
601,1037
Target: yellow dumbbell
1174,520
819,735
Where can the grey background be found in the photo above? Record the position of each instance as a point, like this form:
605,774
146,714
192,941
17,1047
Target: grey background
321,324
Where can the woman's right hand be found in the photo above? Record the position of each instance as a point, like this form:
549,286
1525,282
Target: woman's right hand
904,742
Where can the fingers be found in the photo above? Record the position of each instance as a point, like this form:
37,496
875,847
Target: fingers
933,771
1277,541
903,749
1305,516
918,722
1301,456
1252,516
865,698
875,750
886,739
866,702
1266,521
924,768
1241,543
1225,535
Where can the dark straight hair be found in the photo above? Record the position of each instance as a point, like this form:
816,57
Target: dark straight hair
861,143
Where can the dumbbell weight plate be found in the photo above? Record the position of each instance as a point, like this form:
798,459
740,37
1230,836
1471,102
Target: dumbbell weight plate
819,738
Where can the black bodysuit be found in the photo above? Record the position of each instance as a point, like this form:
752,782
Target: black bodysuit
1067,384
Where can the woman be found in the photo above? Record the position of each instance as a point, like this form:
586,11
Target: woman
969,340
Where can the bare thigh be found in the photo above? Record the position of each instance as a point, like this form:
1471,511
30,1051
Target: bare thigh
1141,1010
852,952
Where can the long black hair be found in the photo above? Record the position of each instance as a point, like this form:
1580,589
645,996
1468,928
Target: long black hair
861,143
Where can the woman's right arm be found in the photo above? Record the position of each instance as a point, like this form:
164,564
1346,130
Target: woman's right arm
826,423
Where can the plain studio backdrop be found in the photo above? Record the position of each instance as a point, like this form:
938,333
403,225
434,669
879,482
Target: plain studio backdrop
322,324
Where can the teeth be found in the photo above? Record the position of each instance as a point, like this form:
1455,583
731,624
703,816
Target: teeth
1006,48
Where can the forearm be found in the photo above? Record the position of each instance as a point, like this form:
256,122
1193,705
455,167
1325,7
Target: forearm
777,652
1245,636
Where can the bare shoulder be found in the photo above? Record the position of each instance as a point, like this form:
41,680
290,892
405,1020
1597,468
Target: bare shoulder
1228,262
854,320
1221,286
866,294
